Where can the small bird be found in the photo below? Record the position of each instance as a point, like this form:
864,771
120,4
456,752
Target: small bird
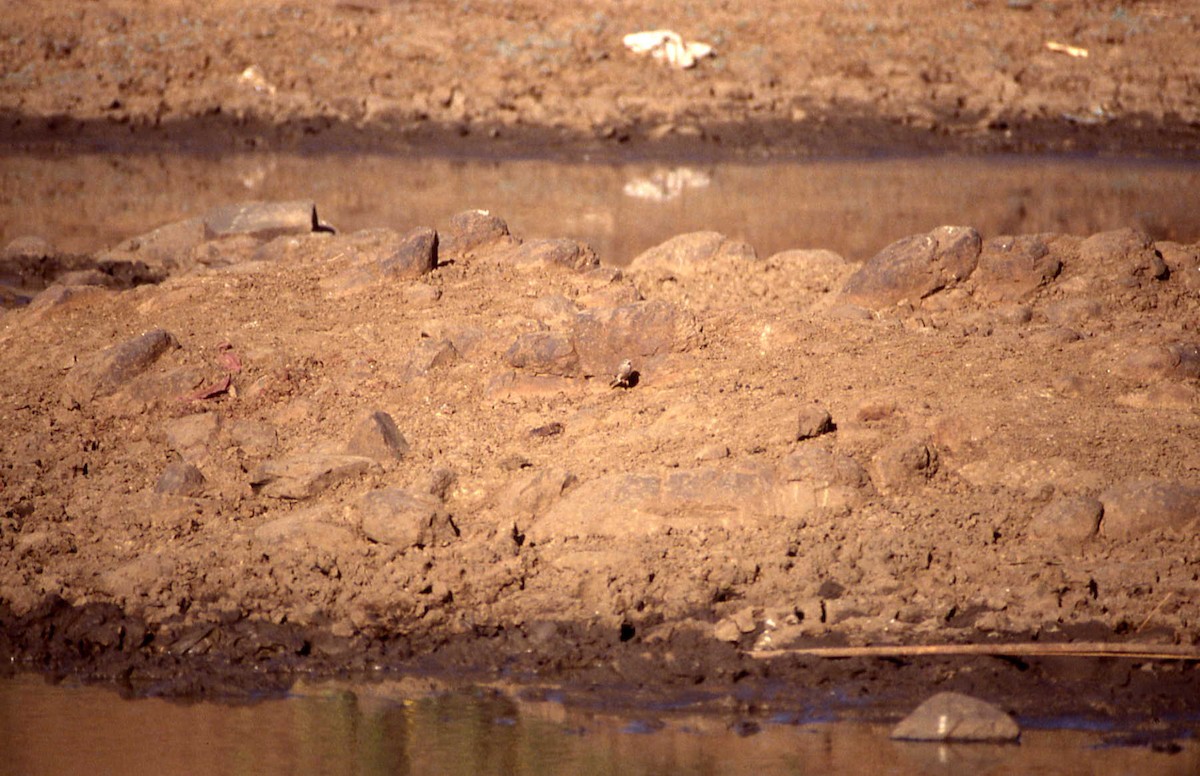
624,376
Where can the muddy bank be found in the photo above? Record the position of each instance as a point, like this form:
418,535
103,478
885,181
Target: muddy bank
788,79
265,444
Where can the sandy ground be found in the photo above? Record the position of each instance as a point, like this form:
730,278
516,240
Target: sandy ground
236,447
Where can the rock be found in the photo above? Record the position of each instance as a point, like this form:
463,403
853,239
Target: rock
1068,520
383,256
262,220
685,254
950,716
167,247
192,433
812,479
543,352
1163,396
813,421
905,462
1124,253
531,495
109,370
253,437
304,530
440,482
915,267
1175,360
1138,506
604,338
304,476
561,252
513,386
180,479
27,247
403,520
1012,268
815,271
376,436
474,229
428,355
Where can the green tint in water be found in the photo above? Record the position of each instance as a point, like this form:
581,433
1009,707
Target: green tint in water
388,729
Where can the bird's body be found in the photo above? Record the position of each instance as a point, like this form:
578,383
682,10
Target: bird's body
624,376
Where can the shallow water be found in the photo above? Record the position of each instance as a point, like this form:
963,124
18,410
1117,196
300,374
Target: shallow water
855,207
395,728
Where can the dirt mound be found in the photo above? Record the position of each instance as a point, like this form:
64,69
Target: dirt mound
375,446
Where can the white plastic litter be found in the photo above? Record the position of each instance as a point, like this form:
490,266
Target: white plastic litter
254,78
668,46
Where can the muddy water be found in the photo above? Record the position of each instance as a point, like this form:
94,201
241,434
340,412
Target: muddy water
380,728
855,207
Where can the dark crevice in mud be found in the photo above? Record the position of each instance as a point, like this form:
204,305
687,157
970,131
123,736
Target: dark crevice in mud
240,659
832,135
24,273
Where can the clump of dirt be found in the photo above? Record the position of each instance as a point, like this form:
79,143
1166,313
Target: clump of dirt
313,451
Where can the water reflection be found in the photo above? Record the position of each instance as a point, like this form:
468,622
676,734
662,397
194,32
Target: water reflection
85,202
392,729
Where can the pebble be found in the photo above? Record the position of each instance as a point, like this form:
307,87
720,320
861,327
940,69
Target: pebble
304,476
180,479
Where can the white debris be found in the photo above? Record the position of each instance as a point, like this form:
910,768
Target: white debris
665,185
667,46
254,78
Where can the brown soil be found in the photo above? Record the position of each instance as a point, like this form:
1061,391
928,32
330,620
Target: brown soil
202,490
789,78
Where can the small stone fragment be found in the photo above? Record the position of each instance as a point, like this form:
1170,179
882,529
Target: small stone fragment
376,436
905,462
304,476
951,716
180,479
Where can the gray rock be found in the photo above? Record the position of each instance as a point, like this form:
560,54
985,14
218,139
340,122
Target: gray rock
263,220
1138,506
110,369
951,716
604,338
813,421
685,254
414,256
560,252
180,479
1012,268
306,475
915,267
403,520
1068,520
543,352
474,229
376,436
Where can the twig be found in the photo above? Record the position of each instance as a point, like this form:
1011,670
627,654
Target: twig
1154,611
1024,649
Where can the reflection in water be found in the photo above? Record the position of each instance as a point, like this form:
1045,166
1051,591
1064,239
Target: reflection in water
86,202
389,729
